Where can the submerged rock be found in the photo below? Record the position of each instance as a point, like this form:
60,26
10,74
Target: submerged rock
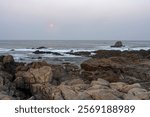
47,52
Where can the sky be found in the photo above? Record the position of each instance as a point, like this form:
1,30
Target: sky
74,19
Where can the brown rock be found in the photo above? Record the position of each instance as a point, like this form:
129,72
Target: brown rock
102,94
41,91
73,82
39,75
130,97
100,82
68,93
19,82
39,64
5,96
126,88
1,81
117,85
8,59
140,93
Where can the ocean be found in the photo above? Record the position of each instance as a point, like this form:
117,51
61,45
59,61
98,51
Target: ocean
22,50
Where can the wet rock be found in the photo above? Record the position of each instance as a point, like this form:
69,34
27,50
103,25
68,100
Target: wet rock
47,52
81,53
118,44
107,53
41,47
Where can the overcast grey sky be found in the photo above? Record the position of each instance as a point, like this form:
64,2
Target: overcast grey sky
75,19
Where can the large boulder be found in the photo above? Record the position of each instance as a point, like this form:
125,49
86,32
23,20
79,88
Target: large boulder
103,94
118,44
116,69
8,59
101,68
40,75
64,72
137,93
35,79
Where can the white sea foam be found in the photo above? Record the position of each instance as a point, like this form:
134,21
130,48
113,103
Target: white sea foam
27,54
126,48
24,50
4,50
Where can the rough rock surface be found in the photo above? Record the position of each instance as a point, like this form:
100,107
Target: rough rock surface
118,76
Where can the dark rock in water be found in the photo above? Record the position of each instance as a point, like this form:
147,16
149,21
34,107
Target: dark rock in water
43,52
42,47
118,44
71,51
12,50
81,53
106,53
39,57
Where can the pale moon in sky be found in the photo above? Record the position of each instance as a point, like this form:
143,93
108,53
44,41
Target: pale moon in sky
51,26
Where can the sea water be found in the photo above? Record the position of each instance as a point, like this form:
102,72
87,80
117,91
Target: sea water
22,50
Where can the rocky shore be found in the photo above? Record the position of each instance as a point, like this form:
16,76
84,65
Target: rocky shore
106,75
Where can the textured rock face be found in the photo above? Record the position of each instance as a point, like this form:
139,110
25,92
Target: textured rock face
65,72
115,69
5,96
35,79
109,78
40,75
101,68
8,59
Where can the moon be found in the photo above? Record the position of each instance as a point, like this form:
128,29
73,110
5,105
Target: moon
51,25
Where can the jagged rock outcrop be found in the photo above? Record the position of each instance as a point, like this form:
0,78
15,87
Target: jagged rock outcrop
111,78
118,44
